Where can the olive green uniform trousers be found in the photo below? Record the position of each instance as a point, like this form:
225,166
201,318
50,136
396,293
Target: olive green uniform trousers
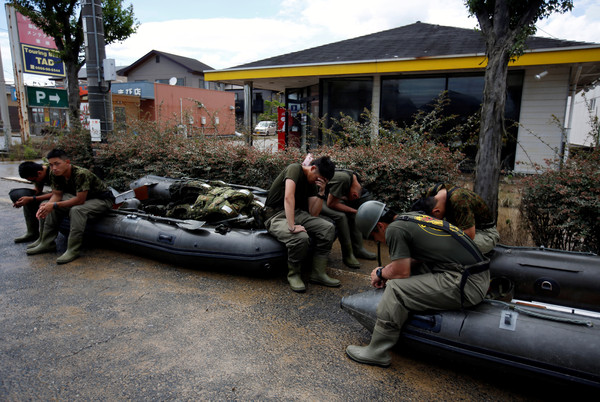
348,233
78,215
297,244
428,289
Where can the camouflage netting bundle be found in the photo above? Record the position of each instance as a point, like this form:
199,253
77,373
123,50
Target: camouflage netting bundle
193,199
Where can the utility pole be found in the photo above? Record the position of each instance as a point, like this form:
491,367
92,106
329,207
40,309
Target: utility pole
248,110
11,18
98,88
4,108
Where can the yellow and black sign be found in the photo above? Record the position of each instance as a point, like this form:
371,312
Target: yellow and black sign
437,222
41,61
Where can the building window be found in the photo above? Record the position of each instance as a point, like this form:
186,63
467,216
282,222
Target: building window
347,96
157,58
403,97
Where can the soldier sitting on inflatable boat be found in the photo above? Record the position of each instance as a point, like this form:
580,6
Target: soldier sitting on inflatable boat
435,266
292,213
30,199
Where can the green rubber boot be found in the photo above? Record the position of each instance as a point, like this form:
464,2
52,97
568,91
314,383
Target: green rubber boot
318,274
294,278
365,254
72,253
46,243
39,239
377,352
33,230
358,247
348,257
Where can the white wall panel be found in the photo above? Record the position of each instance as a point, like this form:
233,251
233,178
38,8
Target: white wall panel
539,138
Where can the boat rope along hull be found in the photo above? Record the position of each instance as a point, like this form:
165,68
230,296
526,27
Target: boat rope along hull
496,334
237,250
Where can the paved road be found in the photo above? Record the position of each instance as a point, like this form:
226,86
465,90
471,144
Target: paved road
114,326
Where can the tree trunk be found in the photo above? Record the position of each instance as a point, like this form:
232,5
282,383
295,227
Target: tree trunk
487,174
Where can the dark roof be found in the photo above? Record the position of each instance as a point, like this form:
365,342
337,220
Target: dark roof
406,42
192,65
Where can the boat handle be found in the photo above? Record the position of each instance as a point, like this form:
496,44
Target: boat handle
546,286
165,238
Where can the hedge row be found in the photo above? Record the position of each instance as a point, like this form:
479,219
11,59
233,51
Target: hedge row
394,172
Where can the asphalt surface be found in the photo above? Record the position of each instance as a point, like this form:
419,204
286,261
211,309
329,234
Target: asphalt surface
116,326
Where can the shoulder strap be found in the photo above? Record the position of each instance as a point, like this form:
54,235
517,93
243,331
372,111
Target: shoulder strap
482,262
481,265
446,228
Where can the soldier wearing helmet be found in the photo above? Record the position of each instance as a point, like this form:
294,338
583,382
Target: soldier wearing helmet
435,266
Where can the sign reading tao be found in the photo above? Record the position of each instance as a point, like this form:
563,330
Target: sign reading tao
47,97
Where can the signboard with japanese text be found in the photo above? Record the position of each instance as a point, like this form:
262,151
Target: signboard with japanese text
47,97
38,50
84,115
37,60
95,131
144,90
30,34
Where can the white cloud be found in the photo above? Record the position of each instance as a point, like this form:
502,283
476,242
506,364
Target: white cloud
582,24
223,42
218,42
302,24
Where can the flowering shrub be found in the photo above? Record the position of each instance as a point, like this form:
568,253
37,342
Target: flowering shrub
562,207
394,172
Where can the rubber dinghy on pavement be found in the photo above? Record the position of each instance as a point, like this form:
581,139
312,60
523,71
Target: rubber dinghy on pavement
235,244
548,323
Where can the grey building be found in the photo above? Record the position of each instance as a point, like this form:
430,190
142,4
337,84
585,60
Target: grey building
167,68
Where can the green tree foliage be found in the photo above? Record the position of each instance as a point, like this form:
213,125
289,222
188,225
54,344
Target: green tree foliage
270,113
62,20
505,24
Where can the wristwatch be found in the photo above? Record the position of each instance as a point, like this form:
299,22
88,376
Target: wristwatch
323,197
378,272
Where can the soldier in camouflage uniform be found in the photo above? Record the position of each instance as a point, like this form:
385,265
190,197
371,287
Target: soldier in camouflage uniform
77,192
464,209
346,194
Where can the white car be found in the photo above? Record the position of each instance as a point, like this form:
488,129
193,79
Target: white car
265,128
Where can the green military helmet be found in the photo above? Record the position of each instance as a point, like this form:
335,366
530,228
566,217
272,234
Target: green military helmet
367,216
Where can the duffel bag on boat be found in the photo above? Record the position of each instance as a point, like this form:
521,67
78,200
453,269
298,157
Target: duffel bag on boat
222,203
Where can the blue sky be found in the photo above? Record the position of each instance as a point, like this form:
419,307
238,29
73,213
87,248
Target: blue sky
224,34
